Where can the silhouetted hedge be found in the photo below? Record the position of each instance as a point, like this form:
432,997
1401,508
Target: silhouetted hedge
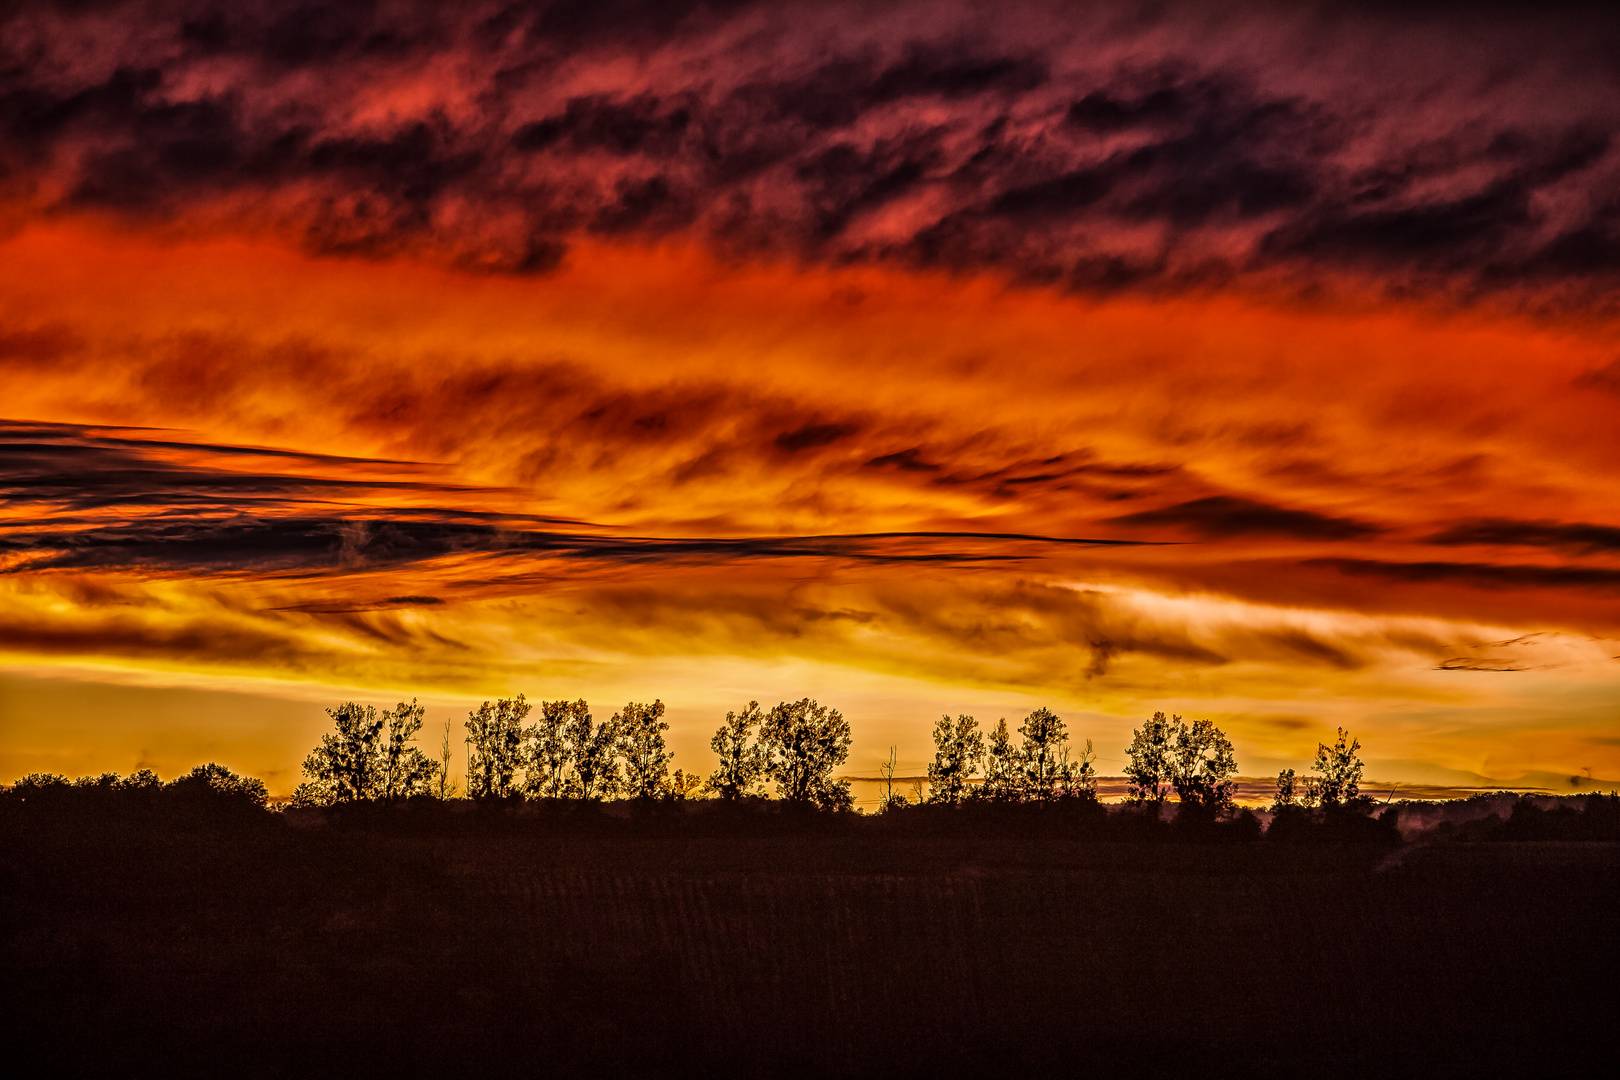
1592,817
212,795
209,793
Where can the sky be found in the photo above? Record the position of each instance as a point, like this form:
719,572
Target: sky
1255,362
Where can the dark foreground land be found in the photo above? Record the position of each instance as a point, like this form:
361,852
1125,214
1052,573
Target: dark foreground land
488,945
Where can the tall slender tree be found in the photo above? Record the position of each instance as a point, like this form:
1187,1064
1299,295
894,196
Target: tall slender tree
641,744
593,750
403,769
495,733
1044,770
549,753
742,761
958,756
1339,768
1147,765
1202,764
1001,767
446,786
1287,791
891,800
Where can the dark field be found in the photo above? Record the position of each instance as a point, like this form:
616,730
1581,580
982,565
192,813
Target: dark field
483,944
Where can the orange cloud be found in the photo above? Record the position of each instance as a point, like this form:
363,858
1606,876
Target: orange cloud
390,475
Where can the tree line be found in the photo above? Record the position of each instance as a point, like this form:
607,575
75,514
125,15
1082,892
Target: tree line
567,755
206,788
564,753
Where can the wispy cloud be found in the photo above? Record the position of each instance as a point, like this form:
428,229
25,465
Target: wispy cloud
119,501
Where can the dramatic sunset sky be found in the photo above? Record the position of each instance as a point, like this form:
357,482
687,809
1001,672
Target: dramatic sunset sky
1252,362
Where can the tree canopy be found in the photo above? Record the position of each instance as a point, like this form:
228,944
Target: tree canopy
1339,767
1194,760
495,747
646,759
368,755
804,742
742,761
1147,765
958,755
1336,783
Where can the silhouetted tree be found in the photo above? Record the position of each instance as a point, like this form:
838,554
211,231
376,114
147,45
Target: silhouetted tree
1339,768
742,762
141,780
446,786
496,736
367,755
641,742
958,755
804,742
404,770
215,781
40,781
685,785
550,759
1295,792
345,766
892,800
1287,791
40,788
593,750
1044,768
1001,767
1147,765
208,787
1083,774
1202,764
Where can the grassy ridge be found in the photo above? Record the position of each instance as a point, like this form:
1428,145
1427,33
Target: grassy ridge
497,944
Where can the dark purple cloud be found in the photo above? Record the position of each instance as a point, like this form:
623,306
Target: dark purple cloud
1574,536
1480,575
1142,146
1228,515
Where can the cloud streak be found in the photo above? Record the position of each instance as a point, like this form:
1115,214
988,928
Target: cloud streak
1483,575
1226,515
1504,532
328,541
163,511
